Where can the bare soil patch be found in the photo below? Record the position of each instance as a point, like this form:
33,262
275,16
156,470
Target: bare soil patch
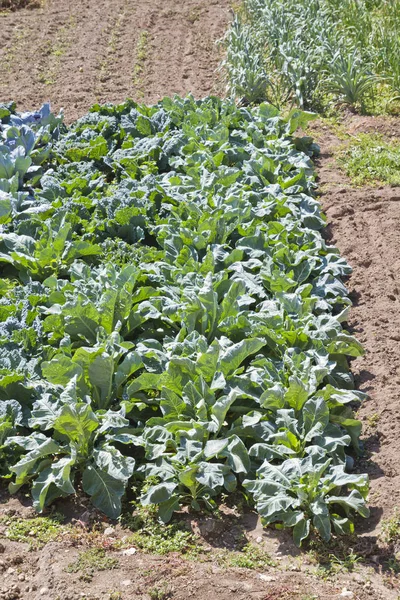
77,53
28,573
388,126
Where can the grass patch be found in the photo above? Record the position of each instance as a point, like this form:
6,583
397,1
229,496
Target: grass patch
159,593
36,532
90,561
391,528
371,159
250,557
153,537
335,557
382,100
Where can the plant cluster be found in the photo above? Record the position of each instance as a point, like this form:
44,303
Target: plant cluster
391,528
311,51
370,158
37,532
249,557
92,560
155,537
171,316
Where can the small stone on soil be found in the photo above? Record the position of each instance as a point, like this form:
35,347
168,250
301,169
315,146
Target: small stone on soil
129,551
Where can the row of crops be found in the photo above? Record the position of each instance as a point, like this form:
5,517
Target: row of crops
315,52
171,315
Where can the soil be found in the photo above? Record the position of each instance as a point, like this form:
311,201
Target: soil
142,576
363,224
387,126
79,53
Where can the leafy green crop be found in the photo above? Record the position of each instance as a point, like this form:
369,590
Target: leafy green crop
312,52
171,315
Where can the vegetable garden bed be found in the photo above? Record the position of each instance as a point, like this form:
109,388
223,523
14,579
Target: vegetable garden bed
172,316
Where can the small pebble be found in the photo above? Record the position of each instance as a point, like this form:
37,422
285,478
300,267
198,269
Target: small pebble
10,570
259,539
43,591
346,593
126,582
129,551
21,577
110,532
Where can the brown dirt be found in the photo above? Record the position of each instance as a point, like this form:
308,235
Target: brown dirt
29,574
363,224
80,52
388,126
139,576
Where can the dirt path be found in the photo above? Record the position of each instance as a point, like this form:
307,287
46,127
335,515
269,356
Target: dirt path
80,52
364,225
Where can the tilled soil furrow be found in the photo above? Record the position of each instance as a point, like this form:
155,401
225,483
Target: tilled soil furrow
77,53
